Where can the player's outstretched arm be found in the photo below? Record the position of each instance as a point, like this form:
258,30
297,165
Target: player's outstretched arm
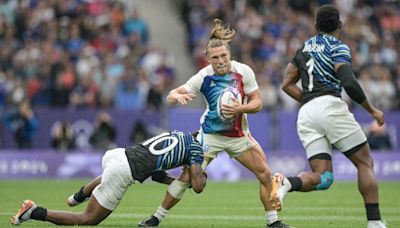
180,95
198,178
290,79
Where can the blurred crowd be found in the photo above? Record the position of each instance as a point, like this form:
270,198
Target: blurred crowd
79,54
270,31
95,53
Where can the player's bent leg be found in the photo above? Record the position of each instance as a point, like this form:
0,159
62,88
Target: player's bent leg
173,195
320,161
254,159
321,176
93,214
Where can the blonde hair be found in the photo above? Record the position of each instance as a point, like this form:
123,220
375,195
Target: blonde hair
220,35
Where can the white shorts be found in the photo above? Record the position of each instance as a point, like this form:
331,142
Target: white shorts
115,180
326,121
234,146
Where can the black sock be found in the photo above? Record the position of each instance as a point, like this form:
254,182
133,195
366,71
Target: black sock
373,211
39,213
296,183
80,196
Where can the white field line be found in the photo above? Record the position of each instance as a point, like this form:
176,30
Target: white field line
244,218
292,209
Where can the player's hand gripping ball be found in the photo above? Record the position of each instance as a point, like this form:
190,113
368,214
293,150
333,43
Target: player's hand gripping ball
226,97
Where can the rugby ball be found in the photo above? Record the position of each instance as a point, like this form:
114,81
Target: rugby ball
226,97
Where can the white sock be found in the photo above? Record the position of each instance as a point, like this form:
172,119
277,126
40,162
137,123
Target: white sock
376,224
161,213
272,216
286,184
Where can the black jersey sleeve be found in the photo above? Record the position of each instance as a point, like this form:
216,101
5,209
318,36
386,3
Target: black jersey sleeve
350,84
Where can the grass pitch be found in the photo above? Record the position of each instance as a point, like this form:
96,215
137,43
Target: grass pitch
220,205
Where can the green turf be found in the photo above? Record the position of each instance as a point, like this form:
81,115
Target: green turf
221,205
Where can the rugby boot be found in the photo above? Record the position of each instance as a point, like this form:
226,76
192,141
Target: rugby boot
24,212
150,222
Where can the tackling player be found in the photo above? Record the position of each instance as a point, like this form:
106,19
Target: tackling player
121,168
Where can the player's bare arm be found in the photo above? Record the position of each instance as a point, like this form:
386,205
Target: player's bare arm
198,178
254,103
290,79
180,95
355,91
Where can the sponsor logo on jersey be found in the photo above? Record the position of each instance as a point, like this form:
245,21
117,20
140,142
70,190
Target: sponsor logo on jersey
314,48
212,84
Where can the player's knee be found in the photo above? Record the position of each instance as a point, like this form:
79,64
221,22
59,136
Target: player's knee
177,189
327,179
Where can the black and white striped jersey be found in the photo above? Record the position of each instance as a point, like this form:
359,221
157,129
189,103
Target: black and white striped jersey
316,61
162,152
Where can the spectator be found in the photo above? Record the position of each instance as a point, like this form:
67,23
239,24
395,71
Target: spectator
134,24
63,137
155,97
104,133
139,133
23,124
378,137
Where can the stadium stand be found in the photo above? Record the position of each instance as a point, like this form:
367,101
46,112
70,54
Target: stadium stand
269,32
78,54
